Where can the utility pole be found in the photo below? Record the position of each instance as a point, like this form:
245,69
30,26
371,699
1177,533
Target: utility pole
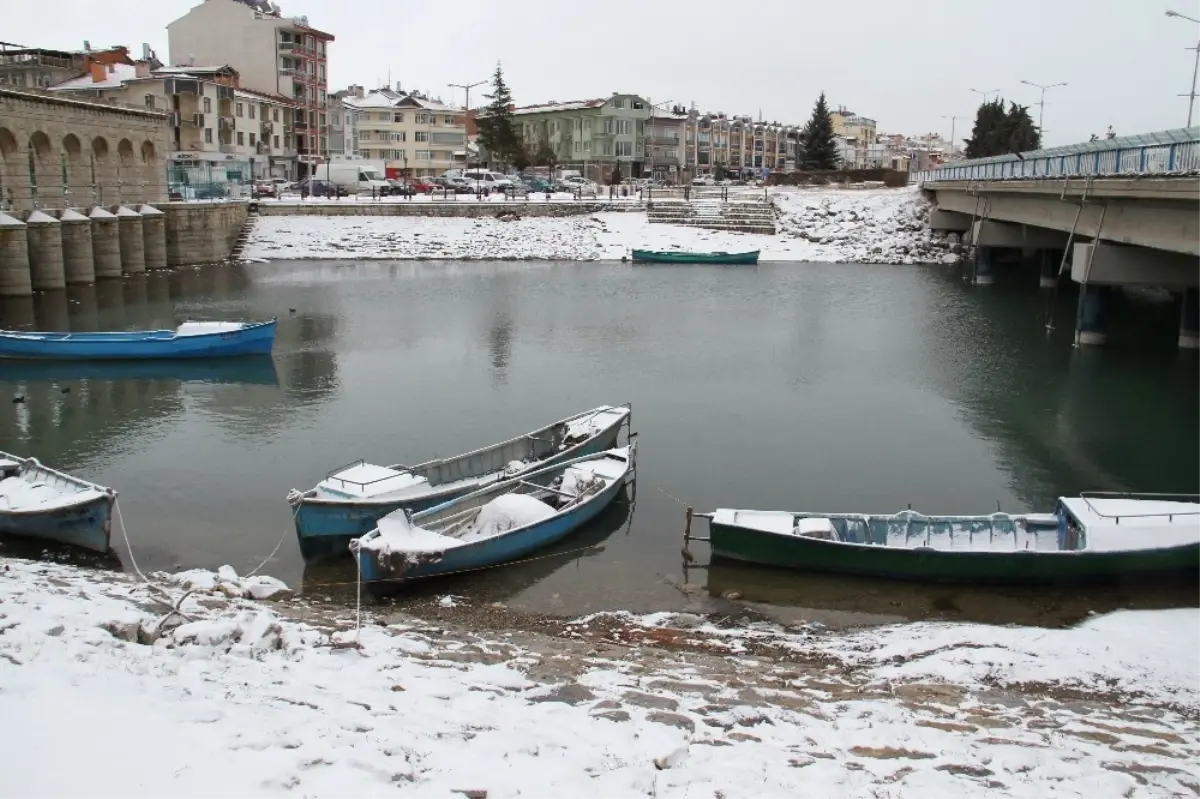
1195,69
1042,106
466,87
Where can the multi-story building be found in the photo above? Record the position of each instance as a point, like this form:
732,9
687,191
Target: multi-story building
343,124
413,134
739,144
858,129
220,132
40,68
666,154
592,135
274,54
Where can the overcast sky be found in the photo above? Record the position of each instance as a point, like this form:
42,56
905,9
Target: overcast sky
905,64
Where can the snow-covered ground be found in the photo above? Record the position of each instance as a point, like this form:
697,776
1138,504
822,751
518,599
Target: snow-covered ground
106,691
861,226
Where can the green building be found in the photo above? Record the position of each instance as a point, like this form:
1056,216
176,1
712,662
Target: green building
591,136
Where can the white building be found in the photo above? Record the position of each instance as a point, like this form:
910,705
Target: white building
274,54
221,134
411,133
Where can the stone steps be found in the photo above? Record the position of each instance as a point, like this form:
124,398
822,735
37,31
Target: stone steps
238,246
745,217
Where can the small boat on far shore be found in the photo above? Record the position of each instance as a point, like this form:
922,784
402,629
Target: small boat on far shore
189,340
680,257
1095,536
43,503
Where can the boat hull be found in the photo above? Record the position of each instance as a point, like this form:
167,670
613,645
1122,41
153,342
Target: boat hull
385,575
257,339
667,257
86,525
935,565
325,527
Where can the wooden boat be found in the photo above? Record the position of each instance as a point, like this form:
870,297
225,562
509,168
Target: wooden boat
39,502
353,498
189,340
1095,536
492,526
677,257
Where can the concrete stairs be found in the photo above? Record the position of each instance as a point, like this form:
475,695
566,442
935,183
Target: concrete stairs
714,214
251,216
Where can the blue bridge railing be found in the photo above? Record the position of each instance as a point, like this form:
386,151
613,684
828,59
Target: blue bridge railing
1170,152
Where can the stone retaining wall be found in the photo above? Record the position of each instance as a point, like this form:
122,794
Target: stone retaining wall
449,209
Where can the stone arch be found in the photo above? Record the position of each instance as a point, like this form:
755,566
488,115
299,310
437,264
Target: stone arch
77,175
100,148
45,178
72,147
40,144
125,152
9,163
147,152
8,144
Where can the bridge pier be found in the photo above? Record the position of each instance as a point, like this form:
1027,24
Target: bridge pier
1050,262
1189,320
985,266
1091,329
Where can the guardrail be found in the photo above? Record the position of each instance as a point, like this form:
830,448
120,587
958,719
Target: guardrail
1169,152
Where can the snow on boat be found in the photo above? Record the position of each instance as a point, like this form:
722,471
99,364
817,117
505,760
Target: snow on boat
1095,536
352,499
189,340
494,525
678,257
40,502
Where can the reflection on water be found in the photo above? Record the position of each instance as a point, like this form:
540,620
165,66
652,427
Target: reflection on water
822,387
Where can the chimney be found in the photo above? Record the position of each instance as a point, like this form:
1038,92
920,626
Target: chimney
97,71
141,69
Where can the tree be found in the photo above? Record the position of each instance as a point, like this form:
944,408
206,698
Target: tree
719,171
523,157
497,131
544,155
615,178
817,140
998,131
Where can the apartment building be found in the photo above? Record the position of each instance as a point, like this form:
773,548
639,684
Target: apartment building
41,68
220,132
592,135
412,133
738,144
276,55
859,130
666,156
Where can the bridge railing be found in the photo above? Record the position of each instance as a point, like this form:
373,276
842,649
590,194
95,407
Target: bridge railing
1170,152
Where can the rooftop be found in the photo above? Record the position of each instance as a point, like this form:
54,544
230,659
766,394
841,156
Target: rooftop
572,105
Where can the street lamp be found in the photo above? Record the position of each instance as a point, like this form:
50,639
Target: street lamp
985,94
1192,94
1042,103
953,120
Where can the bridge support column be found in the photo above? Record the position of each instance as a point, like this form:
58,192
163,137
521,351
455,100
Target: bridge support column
1091,330
1051,259
1189,320
985,266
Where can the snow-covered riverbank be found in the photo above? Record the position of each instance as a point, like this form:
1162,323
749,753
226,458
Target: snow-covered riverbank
107,696
863,226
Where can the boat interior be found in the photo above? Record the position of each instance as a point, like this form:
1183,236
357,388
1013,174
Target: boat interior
363,480
26,485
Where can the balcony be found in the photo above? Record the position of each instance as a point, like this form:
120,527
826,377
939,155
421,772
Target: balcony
289,46
262,149
268,128
195,120
300,124
224,123
227,147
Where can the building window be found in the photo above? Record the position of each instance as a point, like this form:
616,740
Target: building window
275,114
624,127
398,117
423,155
253,140
149,100
587,124
577,145
241,138
624,148
253,112
421,136
208,105
237,109
321,72
449,120
208,135
637,105
421,119
322,120
618,102
276,142
606,148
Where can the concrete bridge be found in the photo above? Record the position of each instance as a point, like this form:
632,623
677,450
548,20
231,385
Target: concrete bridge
1112,212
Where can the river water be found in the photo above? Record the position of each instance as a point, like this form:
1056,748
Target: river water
794,386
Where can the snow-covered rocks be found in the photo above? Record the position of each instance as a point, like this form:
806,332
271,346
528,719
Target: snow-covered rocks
225,581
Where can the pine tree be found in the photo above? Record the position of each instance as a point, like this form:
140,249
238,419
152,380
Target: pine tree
544,155
523,157
497,131
817,140
999,131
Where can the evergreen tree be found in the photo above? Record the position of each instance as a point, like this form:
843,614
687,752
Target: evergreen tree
615,178
998,131
497,131
523,157
817,140
544,155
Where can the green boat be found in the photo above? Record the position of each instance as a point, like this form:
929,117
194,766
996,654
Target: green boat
1092,537
679,257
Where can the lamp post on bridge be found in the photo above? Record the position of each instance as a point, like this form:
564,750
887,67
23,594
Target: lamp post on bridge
1192,94
1042,106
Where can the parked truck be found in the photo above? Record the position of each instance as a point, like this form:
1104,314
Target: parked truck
356,177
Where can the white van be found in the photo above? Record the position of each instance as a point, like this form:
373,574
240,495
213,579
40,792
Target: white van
355,178
486,179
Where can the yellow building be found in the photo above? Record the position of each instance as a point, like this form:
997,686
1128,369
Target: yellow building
412,134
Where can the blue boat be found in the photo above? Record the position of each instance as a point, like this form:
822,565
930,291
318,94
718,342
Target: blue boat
496,525
353,498
39,502
189,340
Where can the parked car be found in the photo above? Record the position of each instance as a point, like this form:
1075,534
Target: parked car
485,179
321,188
422,185
400,188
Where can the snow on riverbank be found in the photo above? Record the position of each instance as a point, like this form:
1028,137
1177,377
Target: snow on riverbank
865,226
238,700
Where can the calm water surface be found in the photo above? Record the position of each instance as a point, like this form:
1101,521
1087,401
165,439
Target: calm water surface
797,386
